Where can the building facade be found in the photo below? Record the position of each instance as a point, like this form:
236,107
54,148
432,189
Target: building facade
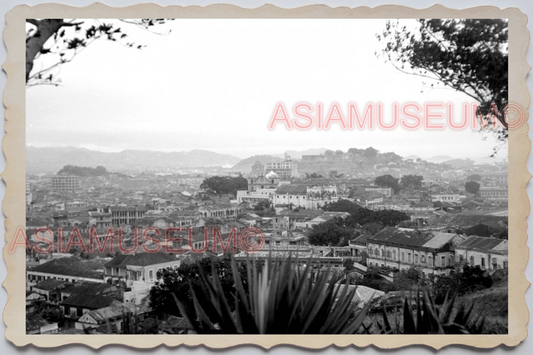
486,252
64,182
402,249
285,169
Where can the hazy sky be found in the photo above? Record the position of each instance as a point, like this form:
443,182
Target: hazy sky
214,85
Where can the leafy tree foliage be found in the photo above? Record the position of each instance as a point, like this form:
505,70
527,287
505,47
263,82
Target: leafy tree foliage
262,205
412,181
54,42
313,175
373,279
388,181
224,184
332,232
471,279
482,230
341,206
389,217
372,228
467,55
472,187
83,171
356,151
391,157
370,153
177,282
371,221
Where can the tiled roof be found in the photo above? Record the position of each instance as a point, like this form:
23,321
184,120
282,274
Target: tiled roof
412,238
175,323
37,222
48,284
115,309
302,213
87,301
362,238
468,220
484,244
362,295
89,288
70,266
142,259
441,239
292,190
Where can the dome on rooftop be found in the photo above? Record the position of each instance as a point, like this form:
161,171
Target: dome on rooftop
272,175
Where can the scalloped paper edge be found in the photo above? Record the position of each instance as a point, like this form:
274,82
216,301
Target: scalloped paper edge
14,175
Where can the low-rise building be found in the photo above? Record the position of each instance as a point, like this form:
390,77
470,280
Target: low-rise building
70,269
402,248
485,252
139,267
79,304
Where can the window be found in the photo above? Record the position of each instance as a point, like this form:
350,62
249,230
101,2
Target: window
482,263
416,258
472,260
422,259
394,255
151,275
408,257
403,256
442,261
388,254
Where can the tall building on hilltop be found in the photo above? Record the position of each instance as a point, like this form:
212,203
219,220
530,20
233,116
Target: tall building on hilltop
285,169
64,182
258,169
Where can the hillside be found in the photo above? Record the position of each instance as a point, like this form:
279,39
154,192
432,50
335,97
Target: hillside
460,163
297,154
439,159
245,165
52,159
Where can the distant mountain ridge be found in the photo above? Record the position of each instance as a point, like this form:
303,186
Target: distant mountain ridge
297,154
460,163
52,159
439,159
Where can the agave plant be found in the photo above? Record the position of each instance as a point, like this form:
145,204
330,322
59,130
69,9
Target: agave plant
275,299
430,319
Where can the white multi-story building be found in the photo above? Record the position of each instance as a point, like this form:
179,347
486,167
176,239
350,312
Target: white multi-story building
304,197
285,169
64,182
448,198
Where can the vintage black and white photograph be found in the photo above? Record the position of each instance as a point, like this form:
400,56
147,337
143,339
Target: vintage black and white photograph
267,176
